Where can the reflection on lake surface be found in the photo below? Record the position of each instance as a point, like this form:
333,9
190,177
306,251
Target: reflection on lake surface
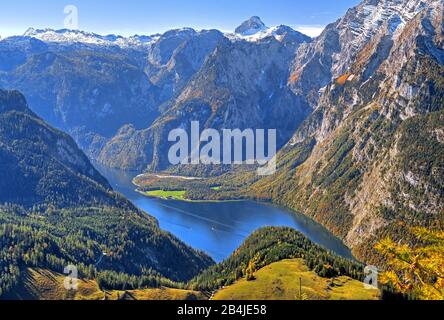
219,228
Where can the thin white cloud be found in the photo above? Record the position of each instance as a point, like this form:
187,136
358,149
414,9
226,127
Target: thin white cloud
310,30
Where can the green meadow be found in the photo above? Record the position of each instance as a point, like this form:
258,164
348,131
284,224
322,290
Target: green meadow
292,280
168,195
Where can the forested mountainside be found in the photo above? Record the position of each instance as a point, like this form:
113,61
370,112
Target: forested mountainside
272,244
324,276
119,97
359,112
368,162
43,284
56,210
42,164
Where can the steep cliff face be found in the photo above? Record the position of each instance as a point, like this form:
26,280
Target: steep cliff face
90,85
96,87
333,52
176,56
368,161
241,84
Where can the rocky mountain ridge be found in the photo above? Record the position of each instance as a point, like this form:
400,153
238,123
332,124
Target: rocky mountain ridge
367,162
94,87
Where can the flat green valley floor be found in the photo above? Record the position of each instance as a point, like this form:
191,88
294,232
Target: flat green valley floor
162,194
281,281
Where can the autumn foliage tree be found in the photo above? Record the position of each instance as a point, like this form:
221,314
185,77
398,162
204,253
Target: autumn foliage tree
251,269
416,270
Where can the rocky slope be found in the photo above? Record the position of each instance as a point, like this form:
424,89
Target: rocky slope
104,90
368,161
361,105
85,92
90,85
241,84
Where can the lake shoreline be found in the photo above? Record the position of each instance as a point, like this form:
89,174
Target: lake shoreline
219,226
190,200
263,202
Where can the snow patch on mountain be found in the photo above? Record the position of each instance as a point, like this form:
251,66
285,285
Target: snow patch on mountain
372,15
251,27
77,36
256,35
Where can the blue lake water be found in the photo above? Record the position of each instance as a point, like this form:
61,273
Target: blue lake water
219,228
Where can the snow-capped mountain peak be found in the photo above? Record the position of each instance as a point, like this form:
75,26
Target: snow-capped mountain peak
365,20
254,30
251,26
280,33
344,39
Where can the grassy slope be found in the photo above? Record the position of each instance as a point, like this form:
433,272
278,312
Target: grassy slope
280,281
42,284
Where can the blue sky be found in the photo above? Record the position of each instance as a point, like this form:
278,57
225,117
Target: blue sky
130,17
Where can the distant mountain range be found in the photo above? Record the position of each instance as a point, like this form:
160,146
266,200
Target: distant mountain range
359,109
76,36
118,97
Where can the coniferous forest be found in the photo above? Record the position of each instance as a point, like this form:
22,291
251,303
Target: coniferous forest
92,179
